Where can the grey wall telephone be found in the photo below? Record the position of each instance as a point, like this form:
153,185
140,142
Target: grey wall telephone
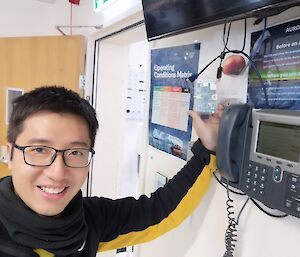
259,153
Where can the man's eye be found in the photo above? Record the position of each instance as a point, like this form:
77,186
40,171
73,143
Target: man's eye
76,153
39,150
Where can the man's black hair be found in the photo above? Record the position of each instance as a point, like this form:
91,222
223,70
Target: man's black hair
53,99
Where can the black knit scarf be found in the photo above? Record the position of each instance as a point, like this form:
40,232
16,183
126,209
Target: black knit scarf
62,235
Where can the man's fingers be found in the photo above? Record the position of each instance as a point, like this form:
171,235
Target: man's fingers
219,111
191,113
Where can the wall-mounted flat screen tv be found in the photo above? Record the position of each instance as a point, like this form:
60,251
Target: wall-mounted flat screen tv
167,17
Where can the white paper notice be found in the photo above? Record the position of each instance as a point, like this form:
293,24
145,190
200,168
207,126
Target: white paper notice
170,107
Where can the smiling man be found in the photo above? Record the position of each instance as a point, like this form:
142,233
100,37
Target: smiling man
45,184
51,136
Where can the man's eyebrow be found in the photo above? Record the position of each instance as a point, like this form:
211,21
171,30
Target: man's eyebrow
80,143
47,142
38,141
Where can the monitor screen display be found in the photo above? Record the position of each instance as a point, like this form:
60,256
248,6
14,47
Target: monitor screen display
279,140
165,17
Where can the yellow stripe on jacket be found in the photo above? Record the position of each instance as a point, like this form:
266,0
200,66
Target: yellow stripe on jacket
43,253
185,208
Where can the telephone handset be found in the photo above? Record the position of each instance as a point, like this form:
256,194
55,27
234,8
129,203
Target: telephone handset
235,125
258,152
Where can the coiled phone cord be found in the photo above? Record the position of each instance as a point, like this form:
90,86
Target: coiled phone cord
231,231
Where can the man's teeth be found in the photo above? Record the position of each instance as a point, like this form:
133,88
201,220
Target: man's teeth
50,190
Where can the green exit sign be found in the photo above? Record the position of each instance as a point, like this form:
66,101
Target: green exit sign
99,5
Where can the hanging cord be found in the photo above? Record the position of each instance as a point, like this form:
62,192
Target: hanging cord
193,77
257,45
231,231
225,186
228,34
250,58
266,212
223,53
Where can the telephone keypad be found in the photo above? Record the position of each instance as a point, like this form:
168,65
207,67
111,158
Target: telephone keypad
256,178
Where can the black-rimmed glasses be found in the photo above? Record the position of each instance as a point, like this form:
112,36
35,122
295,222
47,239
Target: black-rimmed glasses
42,156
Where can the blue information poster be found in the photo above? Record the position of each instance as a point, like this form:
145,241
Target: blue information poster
171,97
276,54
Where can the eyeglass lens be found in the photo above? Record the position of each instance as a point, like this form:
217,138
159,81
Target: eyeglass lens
44,156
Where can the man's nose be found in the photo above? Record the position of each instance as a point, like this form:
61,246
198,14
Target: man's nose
58,169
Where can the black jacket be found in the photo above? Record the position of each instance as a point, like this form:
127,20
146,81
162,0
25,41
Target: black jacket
128,221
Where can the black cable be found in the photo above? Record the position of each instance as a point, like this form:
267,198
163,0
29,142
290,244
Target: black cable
221,56
244,38
223,185
228,33
255,203
266,212
248,57
223,53
231,231
195,76
243,207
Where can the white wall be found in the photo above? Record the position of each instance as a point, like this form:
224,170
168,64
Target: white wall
115,55
203,233
37,18
111,106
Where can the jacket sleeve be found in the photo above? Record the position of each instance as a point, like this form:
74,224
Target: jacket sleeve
129,221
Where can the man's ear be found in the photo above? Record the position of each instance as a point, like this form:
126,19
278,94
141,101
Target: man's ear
9,153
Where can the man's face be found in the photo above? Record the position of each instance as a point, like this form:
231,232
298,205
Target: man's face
48,190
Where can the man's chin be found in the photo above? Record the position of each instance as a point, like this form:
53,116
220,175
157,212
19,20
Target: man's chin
49,210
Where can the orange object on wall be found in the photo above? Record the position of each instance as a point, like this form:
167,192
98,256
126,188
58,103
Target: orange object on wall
233,65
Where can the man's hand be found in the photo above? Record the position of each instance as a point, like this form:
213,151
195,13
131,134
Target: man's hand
207,129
